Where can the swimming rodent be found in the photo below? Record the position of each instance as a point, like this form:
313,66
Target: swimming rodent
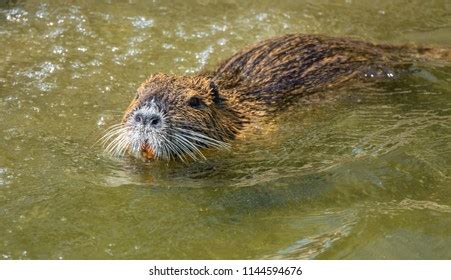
176,117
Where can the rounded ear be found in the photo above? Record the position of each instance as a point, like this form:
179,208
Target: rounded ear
214,92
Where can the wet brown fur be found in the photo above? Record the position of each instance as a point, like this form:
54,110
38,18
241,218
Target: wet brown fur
266,77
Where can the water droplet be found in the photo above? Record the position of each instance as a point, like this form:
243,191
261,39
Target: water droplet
101,121
142,22
82,49
222,41
262,16
17,15
58,50
168,46
202,57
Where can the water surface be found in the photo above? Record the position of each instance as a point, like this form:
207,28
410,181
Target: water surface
362,175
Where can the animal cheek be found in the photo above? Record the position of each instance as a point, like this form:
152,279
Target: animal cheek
130,109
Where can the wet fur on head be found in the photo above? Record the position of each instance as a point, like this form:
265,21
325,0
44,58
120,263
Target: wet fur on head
193,117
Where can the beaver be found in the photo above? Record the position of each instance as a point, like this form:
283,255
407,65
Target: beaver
176,117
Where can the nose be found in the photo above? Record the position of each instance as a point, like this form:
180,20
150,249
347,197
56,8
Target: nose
152,119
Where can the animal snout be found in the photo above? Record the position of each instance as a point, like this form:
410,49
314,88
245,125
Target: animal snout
148,119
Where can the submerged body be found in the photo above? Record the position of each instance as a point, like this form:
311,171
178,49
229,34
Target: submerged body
178,116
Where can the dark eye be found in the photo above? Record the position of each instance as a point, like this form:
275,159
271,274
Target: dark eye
195,102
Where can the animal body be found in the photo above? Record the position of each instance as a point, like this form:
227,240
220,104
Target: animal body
176,117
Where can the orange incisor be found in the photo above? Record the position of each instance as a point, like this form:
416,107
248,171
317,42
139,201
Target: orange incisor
147,152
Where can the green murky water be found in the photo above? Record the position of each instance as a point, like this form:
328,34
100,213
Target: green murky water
365,175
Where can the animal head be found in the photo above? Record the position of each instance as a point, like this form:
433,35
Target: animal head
174,117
